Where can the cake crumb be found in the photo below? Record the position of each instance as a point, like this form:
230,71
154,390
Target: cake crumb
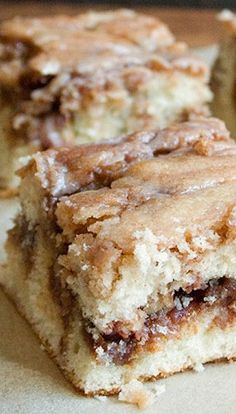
135,392
101,398
199,367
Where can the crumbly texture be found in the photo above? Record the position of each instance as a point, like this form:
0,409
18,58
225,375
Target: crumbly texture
135,392
223,77
72,80
122,257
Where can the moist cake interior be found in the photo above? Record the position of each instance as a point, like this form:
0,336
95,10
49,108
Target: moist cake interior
120,346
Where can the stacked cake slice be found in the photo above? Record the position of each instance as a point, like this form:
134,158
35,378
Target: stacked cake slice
70,80
122,257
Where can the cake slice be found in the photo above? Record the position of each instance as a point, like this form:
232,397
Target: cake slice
122,257
71,80
224,74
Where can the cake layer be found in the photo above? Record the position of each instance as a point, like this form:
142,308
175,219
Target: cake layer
120,347
71,80
123,254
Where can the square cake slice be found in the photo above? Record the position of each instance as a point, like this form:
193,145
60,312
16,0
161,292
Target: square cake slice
122,257
224,74
72,80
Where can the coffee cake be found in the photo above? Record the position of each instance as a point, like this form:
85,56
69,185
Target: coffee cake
71,80
122,257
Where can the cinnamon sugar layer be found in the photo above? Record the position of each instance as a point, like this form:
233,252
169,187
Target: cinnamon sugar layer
120,346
